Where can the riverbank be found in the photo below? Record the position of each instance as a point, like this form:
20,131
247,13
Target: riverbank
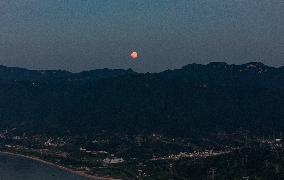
80,173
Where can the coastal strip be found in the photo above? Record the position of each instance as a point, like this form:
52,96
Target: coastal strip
80,173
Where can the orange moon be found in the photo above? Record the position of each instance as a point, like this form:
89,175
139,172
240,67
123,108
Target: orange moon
134,55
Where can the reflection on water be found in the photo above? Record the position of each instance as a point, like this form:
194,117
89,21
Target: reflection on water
18,168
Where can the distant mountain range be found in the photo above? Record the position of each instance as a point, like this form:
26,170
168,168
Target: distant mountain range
191,100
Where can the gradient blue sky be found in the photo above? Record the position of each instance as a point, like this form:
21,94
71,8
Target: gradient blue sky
88,34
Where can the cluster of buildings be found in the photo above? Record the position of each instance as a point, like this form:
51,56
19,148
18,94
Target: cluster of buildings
194,154
54,142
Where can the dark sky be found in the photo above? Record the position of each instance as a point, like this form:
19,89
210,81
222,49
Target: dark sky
88,34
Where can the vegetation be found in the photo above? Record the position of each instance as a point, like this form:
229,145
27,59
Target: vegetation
215,121
188,101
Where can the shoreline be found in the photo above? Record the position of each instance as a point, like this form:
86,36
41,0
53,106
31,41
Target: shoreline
79,173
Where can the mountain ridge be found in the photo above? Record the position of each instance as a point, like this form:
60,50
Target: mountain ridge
252,64
194,99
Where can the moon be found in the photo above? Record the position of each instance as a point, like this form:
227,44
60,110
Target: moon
134,55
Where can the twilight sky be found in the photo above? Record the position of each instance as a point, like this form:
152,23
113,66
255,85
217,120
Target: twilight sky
88,34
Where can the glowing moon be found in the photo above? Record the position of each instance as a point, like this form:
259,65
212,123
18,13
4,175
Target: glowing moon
134,55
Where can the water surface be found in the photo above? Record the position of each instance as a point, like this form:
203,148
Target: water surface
20,168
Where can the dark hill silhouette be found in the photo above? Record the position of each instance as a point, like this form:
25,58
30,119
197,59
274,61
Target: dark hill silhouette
191,100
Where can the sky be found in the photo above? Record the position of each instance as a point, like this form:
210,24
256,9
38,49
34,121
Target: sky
78,35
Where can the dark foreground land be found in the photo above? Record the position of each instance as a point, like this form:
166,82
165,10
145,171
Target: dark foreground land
214,121
219,156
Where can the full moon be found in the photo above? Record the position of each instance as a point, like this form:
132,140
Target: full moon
134,55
